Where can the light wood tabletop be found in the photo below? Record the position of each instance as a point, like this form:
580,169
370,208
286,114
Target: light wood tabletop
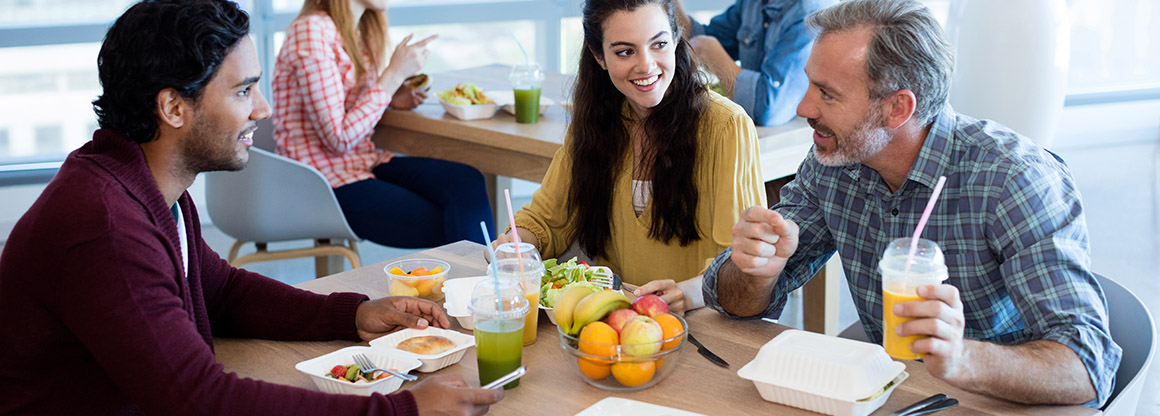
553,387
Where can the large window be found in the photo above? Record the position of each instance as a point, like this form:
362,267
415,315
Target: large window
48,53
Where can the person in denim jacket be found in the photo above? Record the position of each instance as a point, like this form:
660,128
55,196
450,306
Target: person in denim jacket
770,39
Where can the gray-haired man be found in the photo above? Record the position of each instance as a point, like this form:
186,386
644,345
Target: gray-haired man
1021,317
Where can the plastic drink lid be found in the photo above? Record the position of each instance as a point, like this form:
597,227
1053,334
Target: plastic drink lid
928,258
512,300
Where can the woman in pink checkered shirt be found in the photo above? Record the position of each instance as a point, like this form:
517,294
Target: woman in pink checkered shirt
326,106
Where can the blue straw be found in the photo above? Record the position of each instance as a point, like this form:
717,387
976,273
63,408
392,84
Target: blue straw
521,45
491,268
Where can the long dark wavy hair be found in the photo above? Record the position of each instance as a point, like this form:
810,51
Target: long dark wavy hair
599,143
159,44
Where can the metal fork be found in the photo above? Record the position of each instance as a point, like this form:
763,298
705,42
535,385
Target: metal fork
366,366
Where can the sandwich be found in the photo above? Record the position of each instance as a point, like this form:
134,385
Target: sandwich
420,82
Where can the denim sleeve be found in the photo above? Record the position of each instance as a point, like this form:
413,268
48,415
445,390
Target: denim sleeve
815,246
771,96
724,27
1039,229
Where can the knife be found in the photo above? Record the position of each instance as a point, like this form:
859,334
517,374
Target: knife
708,354
927,405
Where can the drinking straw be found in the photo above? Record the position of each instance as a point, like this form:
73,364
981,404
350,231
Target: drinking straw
922,221
512,220
491,268
521,45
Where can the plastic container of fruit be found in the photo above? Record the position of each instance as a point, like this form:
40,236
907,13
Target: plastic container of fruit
611,367
457,295
469,111
824,374
413,282
317,368
433,362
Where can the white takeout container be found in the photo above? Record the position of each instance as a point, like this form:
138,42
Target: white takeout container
823,374
317,368
469,111
457,294
432,362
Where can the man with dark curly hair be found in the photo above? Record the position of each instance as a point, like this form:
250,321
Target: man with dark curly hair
109,297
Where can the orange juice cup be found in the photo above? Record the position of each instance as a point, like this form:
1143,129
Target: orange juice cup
525,268
901,285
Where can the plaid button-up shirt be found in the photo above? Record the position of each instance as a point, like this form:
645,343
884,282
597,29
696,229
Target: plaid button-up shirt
1009,222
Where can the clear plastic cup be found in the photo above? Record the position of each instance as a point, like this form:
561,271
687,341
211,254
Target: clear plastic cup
524,266
499,328
900,285
527,78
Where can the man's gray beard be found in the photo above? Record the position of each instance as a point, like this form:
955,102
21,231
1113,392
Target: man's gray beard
869,139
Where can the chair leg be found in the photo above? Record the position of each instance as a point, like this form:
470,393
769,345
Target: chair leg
234,250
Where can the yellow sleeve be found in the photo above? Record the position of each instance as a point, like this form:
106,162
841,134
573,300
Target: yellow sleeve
737,165
547,215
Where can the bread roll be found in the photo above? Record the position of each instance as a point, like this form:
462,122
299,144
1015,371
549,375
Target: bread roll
426,345
417,82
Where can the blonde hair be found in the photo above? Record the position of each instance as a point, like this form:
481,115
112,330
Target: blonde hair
372,25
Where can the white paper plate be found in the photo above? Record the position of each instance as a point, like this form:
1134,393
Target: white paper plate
432,362
616,406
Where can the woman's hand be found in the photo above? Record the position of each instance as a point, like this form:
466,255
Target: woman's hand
407,99
382,316
525,237
406,60
668,291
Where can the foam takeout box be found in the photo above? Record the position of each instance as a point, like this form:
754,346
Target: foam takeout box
432,362
824,374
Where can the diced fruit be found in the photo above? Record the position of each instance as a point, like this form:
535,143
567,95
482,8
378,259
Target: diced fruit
400,288
398,271
420,271
338,371
426,287
437,270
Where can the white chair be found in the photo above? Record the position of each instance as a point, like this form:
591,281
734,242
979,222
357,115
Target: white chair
1131,326
277,199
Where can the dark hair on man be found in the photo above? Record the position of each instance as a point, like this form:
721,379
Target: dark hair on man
600,140
159,44
908,49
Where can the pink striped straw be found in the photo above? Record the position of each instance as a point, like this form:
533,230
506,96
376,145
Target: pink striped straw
512,220
942,180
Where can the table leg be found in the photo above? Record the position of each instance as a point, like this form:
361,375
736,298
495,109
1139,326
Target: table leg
820,299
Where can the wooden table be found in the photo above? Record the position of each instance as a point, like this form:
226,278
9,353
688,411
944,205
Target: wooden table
551,387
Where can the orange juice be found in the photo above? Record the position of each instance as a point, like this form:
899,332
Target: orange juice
525,271
533,317
896,345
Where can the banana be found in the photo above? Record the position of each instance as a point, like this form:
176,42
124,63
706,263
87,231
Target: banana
595,307
567,302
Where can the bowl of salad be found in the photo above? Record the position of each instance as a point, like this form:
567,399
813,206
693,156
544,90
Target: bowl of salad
467,102
558,277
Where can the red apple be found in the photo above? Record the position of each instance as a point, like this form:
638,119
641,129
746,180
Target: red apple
619,317
650,305
641,336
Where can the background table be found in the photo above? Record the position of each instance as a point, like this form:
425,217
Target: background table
552,387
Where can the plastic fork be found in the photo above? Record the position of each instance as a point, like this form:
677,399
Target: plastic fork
366,366
602,278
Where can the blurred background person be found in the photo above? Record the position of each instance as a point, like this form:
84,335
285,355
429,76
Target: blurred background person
770,39
332,82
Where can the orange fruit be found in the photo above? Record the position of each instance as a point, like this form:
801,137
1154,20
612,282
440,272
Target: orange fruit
599,339
398,271
634,374
593,369
421,271
671,327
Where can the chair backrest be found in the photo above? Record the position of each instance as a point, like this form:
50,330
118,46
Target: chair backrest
1133,329
264,137
274,199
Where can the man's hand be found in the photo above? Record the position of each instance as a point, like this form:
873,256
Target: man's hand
940,317
719,61
763,242
407,99
448,394
385,315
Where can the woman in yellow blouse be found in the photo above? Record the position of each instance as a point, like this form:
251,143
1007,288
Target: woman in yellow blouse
655,168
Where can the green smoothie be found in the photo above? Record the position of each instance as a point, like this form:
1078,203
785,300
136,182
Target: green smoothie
527,105
499,345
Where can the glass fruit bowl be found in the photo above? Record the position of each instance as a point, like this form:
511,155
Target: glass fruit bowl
421,278
624,367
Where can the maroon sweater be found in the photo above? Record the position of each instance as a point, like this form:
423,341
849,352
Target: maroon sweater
97,317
